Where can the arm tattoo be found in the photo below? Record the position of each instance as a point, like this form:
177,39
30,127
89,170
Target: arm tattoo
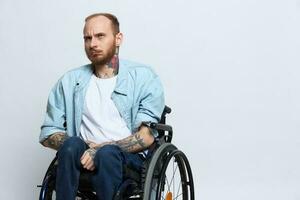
133,143
137,142
55,140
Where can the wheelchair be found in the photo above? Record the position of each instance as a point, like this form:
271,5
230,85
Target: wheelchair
166,173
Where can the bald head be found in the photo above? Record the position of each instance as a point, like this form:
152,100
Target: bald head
112,19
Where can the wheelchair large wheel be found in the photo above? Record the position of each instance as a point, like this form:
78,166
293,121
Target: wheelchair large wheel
169,175
48,186
48,192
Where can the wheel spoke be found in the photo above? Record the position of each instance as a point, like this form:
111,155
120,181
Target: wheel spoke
174,173
173,178
168,184
178,196
179,186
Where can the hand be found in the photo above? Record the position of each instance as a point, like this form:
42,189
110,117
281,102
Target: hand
91,144
87,159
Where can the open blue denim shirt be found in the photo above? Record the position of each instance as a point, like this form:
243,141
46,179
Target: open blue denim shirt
138,96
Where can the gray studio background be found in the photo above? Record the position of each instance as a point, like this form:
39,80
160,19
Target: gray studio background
230,71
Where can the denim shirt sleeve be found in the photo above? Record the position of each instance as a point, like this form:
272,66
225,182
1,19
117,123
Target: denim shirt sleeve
151,103
55,119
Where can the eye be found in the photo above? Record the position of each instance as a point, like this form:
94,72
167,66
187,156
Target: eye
100,35
87,38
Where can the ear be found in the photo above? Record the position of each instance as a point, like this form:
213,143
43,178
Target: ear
119,39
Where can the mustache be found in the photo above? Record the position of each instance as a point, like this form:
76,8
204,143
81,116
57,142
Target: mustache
96,51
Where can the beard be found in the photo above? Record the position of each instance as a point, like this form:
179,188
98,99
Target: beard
104,58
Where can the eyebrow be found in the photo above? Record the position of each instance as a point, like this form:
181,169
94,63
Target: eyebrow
96,34
86,36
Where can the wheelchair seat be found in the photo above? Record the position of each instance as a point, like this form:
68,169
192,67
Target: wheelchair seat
156,180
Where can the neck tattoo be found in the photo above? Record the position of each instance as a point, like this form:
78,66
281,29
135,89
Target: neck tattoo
114,64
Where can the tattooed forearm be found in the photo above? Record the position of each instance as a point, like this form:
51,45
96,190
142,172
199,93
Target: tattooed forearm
133,143
139,141
55,140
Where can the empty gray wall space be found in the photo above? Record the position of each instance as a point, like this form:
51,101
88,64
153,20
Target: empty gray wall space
230,71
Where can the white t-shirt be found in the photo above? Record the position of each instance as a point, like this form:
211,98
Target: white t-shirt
101,121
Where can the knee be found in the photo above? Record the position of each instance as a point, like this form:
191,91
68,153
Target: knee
108,153
71,146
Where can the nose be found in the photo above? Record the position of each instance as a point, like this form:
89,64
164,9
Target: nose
93,43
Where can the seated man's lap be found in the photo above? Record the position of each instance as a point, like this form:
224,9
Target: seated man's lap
74,147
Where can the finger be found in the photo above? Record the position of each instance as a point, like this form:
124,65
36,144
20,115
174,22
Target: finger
83,155
91,168
90,165
87,161
84,158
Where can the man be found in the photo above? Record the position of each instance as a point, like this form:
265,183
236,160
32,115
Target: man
95,113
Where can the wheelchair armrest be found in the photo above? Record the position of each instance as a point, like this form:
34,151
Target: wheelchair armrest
162,128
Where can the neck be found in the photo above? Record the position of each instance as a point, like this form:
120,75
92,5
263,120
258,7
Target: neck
108,70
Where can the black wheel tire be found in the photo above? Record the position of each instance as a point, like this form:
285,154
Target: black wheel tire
157,169
47,188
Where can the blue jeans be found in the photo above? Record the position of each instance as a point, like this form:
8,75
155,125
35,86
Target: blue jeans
108,174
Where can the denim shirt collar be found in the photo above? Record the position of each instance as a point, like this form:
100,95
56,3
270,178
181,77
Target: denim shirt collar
122,82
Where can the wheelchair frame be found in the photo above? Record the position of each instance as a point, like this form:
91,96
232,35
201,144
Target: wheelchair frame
150,183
